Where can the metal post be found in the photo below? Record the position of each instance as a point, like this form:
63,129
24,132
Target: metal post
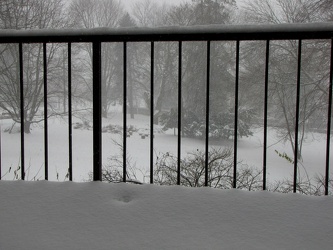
97,114
45,114
22,109
207,113
265,117
298,89
152,113
125,111
329,120
236,116
179,110
70,132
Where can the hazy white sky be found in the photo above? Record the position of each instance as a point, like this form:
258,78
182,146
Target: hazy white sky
128,3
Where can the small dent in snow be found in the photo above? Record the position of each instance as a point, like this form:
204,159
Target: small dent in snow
124,198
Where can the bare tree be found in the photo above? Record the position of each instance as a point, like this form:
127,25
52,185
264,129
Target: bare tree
89,14
283,69
145,14
280,11
323,9
35,14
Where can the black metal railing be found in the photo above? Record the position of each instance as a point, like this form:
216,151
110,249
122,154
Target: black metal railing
180,34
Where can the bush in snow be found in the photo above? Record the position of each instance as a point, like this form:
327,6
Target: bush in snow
220,170
221,125
113,171
305,185
220,173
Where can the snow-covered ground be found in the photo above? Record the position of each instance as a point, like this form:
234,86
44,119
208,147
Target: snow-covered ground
93,215
69,215
250,150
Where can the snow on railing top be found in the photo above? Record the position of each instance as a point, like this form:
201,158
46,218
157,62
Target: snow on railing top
173,33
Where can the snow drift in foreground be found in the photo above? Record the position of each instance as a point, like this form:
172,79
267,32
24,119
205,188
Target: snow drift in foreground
52,215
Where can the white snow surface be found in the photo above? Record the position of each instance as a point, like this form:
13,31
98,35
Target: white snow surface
93,215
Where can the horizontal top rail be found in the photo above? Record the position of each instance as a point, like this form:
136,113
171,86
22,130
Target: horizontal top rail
173,33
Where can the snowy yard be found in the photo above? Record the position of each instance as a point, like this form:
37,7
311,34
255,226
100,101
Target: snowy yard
68,215
208,80
250,150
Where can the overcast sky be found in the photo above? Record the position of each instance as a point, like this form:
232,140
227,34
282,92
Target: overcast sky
128,3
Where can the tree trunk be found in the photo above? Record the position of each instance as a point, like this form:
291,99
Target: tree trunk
27,125
130,92
130,101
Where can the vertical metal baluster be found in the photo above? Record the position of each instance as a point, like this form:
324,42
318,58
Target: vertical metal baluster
236,116
97,112
70,132
207,113
180,45
22,110
329,120
46,150
125,111
297,112
152,113
265,117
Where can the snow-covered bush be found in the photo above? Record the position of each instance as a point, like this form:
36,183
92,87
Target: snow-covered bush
305,185
221,125
220,173
220,170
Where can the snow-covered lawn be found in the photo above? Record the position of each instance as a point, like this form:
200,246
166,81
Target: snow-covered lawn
68,215
250,150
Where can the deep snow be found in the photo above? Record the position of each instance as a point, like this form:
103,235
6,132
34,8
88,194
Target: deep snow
66,215
250,150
